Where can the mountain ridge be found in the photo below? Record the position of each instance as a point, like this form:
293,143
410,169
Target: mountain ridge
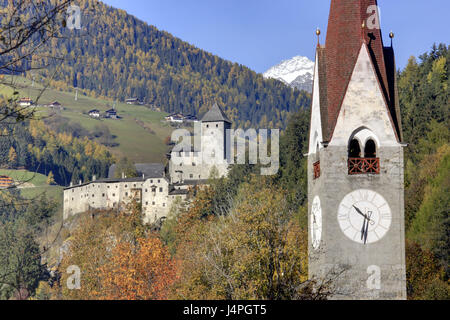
296,72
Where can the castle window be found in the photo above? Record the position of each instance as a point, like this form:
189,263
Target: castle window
153,203
146,203
217,125
126,186
193,164
159,181
207,125
191,176
126,194
160,189
103,195
164,204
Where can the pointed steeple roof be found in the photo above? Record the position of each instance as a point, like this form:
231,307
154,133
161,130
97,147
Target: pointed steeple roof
350,24
215,114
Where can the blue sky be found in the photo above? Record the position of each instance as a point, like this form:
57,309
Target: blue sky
262,33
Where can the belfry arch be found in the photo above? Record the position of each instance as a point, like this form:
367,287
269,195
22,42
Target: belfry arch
362,152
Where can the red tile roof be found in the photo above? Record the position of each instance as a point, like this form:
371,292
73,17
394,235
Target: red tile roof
345,37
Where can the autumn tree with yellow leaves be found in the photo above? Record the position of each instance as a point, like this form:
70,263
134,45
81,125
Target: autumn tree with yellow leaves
119,258
256,251
137,271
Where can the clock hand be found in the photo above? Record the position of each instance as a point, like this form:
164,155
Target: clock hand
360,212
366,234
363,229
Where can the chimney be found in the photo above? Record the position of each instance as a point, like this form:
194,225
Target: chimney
94,178
123,175
80,182
71,184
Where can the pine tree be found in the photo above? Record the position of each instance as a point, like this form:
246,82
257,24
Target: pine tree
50,179
12,157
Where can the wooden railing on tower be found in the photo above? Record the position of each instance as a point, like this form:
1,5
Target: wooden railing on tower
363,166
317,170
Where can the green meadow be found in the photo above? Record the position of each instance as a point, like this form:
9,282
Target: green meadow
140,141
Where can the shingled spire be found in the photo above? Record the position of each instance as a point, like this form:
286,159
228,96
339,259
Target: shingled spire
351,23
215,114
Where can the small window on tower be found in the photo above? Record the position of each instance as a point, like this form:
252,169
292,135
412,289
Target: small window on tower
354,150
370,150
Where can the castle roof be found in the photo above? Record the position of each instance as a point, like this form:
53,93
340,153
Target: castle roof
149,170
215,114
337,59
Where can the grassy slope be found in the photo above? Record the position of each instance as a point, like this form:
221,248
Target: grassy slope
38,180
25,176
135,142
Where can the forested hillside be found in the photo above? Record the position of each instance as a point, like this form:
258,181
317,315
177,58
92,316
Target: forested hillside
118,56
37,148
425,105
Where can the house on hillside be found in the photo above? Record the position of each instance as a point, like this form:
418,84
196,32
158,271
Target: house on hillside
111,114
94,113
25,102
175,118
6,182
134,101
55,105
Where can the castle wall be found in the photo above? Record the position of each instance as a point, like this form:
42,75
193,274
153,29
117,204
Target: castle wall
153,193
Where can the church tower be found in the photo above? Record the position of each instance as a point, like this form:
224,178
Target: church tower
355,160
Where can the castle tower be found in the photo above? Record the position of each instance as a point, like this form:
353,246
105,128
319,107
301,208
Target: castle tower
215,124
355,160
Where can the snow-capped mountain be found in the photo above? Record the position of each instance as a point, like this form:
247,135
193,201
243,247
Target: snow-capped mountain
297,72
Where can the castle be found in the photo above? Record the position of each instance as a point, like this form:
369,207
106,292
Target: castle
156,187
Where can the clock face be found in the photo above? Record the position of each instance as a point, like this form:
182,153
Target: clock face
364,216
316,223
